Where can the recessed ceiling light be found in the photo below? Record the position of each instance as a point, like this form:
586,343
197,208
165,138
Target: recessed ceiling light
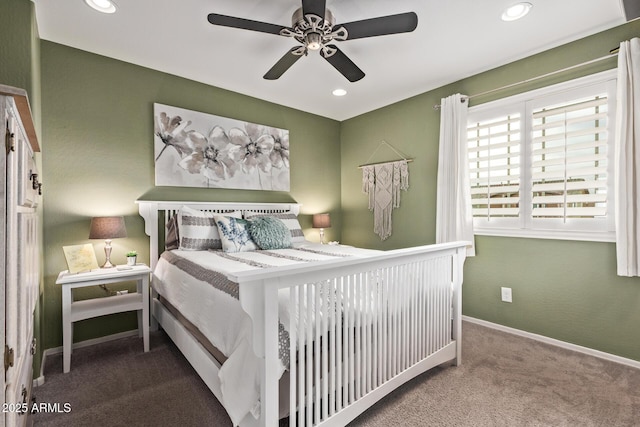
517,11
104,6
339,92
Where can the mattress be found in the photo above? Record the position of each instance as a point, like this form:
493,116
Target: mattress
196,284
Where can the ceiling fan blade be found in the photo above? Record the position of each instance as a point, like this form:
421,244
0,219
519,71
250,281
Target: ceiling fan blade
283,64
315,7
342,63
245,24
392,24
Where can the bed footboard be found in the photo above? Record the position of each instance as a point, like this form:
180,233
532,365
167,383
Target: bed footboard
356,328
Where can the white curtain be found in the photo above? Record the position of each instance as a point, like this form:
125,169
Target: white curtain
627,159
454,219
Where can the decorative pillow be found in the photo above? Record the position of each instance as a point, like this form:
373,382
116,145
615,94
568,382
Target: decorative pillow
288,218
172,236
198,230
234,234
269,233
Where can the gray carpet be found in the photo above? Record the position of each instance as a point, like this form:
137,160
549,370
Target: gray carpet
505,380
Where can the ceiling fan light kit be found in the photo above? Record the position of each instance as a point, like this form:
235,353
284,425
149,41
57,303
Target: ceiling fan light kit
313,26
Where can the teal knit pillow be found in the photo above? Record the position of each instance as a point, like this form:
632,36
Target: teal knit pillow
269,233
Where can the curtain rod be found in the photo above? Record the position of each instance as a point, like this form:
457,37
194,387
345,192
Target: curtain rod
611,53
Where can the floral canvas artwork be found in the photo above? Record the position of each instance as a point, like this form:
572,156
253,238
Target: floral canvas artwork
194,149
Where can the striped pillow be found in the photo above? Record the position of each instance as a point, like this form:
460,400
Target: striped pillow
198,230
290,220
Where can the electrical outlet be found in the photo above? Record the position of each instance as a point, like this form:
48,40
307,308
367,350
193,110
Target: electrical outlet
506,294
123,292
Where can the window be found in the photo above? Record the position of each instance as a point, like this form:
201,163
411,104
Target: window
540,165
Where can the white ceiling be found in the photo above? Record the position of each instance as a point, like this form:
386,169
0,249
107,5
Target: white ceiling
454,39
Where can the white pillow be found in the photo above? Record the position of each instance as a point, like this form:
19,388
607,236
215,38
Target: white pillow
198,230
290,220
234,234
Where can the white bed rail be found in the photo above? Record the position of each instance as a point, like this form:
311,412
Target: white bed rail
358,328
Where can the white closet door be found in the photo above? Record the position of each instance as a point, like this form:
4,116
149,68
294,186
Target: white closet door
22,270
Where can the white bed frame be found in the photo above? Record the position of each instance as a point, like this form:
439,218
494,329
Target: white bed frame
385,320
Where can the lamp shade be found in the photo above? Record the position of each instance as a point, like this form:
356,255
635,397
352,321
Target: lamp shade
321,220
107,227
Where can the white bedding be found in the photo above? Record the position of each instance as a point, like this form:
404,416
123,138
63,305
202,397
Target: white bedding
216,310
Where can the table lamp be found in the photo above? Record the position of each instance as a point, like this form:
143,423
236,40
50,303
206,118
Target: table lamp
321,221
107,227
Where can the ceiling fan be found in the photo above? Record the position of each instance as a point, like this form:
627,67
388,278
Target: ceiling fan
314,27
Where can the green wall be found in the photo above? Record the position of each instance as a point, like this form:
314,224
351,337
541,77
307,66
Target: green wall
98,124
561,289
19,49
20,67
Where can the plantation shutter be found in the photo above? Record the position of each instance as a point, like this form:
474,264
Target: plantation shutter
494,166
569,160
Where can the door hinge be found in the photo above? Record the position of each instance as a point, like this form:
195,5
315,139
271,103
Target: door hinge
24,407
9,144
8,357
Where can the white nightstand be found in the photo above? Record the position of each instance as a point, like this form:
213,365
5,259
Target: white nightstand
74,311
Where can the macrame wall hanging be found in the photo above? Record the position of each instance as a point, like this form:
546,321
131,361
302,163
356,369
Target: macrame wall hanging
383,183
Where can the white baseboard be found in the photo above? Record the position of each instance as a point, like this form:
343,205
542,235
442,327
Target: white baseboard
563,344
38,381
57,350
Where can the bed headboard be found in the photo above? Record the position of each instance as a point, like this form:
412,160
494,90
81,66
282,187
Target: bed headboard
157,213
